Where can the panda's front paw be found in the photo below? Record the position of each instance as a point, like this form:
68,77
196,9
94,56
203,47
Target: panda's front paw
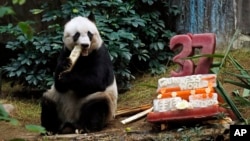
63,76
66,64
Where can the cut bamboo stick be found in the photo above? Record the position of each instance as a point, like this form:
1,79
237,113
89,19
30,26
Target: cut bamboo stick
74,55
137,116
129,111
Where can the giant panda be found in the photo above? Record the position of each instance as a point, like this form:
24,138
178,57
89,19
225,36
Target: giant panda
84,99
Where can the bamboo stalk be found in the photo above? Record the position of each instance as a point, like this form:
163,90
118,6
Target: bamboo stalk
128,111
137,116
74,55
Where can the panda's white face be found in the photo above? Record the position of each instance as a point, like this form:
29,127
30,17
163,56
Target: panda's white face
81,31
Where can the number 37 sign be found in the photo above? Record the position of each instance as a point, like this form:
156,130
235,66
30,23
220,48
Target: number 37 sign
190,44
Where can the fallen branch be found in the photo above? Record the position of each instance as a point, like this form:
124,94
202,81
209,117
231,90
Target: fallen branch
64,136
137,116
85,136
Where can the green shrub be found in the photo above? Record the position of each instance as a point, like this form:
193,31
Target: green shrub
136,32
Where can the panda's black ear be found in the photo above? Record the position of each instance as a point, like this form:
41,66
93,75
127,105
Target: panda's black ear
91,17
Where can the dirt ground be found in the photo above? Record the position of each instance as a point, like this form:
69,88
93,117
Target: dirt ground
139,130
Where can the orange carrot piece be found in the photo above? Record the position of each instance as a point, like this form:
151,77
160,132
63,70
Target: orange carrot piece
169,89
186,93
212,77
203,96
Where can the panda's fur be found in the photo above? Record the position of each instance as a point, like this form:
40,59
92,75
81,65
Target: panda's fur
86,97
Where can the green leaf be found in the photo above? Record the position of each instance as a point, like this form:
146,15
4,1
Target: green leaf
13,121
238,75
240,68
220,90
35,128
20,2
5,116
18,73
26,29
75,10
36,11
236,83
3,113
205,55
10,120
6,11
15,1
160,45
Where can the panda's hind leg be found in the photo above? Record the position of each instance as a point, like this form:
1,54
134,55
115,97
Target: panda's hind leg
49,116
95,115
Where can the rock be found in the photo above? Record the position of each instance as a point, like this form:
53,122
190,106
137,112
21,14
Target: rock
9,108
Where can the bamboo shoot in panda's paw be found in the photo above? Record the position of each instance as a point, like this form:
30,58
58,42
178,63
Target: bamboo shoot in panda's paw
74,55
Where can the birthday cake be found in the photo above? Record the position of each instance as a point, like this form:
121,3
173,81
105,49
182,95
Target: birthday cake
187,97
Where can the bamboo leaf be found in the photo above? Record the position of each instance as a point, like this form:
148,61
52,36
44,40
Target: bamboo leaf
225,96
205,55
236,83
215,70
244,81
229,47
216,64
240,68
36,11
235,63
243,100
238,75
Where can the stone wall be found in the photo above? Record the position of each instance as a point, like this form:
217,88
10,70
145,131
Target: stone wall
215,16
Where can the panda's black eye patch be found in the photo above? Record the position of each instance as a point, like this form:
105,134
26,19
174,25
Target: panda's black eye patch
76,36
90,35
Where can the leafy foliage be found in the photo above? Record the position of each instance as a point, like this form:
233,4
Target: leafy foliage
134,35
31,63
5,10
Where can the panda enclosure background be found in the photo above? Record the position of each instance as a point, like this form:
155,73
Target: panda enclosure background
135,32
136,37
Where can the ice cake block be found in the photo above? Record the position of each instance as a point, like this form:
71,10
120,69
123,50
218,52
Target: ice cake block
187,97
